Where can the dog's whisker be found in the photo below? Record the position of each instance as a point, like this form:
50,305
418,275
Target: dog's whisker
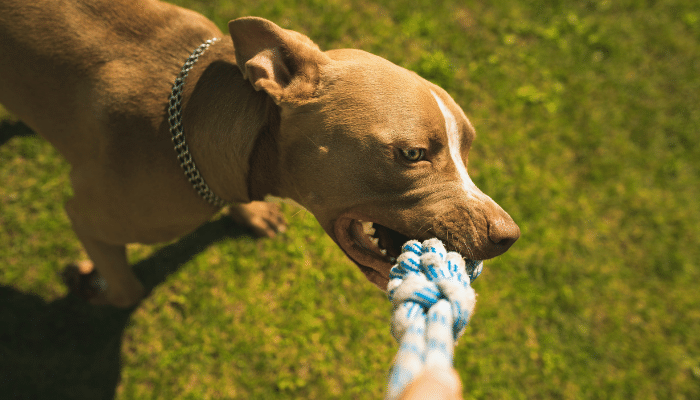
298,211
421,227
309,137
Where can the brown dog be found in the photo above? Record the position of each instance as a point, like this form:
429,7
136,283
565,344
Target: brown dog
375,152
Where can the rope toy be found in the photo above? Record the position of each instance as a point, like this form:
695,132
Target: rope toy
432,302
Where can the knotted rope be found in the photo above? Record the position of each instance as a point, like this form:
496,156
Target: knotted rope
433,300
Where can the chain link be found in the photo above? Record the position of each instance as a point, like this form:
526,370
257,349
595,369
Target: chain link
178,134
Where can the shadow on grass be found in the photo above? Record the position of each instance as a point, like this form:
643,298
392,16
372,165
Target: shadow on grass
67,349
10,129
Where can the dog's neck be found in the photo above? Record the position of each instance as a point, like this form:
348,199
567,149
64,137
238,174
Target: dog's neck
229,127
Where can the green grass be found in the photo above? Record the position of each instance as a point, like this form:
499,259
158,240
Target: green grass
587,114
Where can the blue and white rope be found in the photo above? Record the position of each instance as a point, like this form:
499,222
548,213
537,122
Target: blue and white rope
433,300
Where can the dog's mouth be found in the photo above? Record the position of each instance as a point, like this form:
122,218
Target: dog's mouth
372,246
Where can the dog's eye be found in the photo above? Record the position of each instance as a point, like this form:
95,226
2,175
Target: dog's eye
413,155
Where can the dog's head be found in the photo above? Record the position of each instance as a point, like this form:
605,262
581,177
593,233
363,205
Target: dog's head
375,152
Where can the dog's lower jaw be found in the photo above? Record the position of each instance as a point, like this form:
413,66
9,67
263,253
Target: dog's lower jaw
347,234
373,276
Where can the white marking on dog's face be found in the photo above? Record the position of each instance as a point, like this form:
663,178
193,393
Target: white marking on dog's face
455,146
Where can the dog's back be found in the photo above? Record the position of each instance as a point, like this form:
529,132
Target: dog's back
58,54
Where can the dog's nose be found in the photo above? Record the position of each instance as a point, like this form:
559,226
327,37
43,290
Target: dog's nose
503,233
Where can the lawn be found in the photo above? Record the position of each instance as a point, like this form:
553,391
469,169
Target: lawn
588,119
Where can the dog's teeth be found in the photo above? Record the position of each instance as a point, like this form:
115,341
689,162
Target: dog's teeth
383,251
368,228
374,241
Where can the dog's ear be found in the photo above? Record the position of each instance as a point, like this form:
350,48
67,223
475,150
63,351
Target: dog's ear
281,62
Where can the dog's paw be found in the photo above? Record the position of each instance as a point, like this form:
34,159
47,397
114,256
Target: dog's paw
264,219
82,279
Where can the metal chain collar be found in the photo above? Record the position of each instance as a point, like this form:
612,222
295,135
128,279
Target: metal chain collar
178,134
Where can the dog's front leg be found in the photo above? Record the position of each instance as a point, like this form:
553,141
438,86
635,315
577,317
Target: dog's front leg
113,282
262,218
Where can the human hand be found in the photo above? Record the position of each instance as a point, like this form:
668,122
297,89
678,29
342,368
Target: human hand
436,383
